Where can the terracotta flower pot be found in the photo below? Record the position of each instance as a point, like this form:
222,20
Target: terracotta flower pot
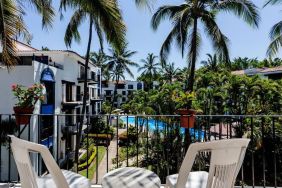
20,118
187,121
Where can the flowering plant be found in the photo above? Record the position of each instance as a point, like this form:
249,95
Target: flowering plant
27,97
182,99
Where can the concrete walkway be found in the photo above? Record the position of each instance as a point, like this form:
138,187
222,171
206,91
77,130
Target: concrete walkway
112,152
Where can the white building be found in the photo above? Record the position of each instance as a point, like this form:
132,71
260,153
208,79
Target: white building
62,74
125,89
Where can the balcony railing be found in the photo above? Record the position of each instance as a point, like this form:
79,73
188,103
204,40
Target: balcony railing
154,142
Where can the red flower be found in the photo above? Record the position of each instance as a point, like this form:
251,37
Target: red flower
14,86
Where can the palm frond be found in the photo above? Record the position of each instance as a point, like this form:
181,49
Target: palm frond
72,32
11,24
44,7
276,39
165,49
272,2
145,4
242,8
218,39
164,12
110,19
274,46
99,33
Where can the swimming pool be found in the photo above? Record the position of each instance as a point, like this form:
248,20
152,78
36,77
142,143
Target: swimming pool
159,125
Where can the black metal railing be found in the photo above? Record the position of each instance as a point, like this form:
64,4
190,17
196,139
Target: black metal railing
155,142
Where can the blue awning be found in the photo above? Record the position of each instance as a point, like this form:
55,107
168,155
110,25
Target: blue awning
47,75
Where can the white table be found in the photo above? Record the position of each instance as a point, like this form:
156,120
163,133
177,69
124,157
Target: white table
130,177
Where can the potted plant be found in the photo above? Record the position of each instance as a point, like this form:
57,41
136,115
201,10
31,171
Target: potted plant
183,100
27,98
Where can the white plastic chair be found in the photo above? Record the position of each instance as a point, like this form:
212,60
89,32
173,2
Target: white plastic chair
55,179
226,160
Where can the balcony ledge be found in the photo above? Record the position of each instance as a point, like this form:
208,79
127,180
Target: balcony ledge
18,185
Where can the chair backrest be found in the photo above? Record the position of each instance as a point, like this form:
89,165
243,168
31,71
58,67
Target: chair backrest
226,160
21,151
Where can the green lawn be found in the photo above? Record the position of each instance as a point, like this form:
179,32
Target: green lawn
92,168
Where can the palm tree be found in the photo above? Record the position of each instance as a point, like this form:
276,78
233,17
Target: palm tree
186,19
105,16
169,72
100,60
211,63
275,34
119,62
150,68
13,25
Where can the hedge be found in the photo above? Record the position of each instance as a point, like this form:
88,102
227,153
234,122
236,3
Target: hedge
83,158
90,160
101,136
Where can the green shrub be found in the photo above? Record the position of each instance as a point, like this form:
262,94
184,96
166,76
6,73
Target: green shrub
101,136
87,164
98,125
83,158
101,139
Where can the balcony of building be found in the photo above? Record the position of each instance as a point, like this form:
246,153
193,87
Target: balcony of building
156,143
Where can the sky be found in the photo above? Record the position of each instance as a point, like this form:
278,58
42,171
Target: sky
245,41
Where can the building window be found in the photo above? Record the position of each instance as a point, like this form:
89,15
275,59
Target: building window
108,92
99,107
25,60
68,92
130,86
130,92
93,75
120,86
139,86
123,99
123,92
78,93
93,92
82,71
77,115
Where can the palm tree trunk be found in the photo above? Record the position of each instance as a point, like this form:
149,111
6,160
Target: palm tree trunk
191,77
194,55
85,92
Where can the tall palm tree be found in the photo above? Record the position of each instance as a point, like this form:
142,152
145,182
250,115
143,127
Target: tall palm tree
119,62
186,19
150,68
105,16
12,24
275,34
170,72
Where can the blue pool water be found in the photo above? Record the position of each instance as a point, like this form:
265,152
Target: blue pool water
160,125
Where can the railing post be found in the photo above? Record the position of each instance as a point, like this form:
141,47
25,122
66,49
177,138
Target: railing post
263,151
252,151
127,141
274,152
